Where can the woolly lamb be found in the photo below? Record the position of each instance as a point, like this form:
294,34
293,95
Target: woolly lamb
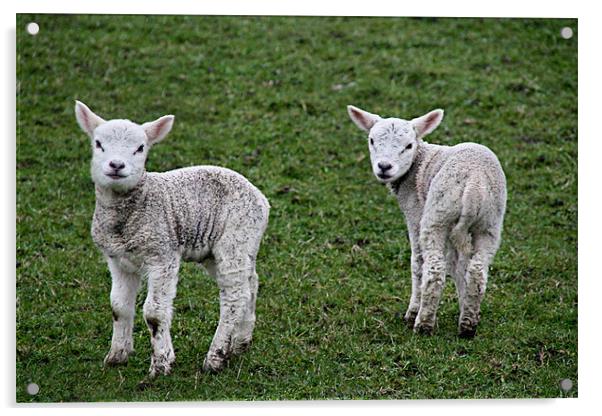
146,223
453,199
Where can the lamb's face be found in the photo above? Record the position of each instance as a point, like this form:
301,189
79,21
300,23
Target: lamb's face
119,150
119,147
392,144
393,141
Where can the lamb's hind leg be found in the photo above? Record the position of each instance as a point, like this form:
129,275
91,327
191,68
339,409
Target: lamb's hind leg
234,258
475,280
235,294
244,333
432,242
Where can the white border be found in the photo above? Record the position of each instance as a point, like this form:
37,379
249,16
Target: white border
589,35
465,8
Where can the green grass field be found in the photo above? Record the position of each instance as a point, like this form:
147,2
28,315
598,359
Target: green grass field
266,96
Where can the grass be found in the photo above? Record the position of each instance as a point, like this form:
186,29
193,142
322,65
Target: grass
266,96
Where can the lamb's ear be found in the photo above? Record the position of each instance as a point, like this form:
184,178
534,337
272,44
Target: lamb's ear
87,120
363,119
158,129
427,123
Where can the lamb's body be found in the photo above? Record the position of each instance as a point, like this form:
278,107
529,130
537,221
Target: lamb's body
453,199
192,212
147,223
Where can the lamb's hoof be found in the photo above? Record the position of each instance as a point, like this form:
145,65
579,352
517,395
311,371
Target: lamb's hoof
423,329
213,367
117,357
214,363
157,370
467,328
410,318
467,333
161,365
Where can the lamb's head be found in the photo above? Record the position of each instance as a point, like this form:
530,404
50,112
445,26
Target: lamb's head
119,147
393,141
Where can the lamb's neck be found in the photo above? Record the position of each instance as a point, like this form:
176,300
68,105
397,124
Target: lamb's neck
107,198
414,183
118,218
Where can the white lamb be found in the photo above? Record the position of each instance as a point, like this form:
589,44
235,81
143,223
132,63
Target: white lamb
453,198
146,223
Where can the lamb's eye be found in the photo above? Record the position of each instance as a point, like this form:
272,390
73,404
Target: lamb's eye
139,149
99,146
409,146
372,141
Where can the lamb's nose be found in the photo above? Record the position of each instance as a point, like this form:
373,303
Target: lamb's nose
384,166
117,164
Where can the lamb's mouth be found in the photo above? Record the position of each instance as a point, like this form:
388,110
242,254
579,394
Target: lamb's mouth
115,176
384,176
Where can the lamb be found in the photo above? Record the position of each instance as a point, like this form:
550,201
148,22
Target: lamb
453,199
146,223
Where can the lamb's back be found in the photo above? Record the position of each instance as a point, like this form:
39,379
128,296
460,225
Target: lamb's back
467,173
204,200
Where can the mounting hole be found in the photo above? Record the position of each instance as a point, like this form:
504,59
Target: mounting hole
33,389
566,385
566,32
32,28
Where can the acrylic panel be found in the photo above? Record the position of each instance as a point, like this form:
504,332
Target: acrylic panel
267,96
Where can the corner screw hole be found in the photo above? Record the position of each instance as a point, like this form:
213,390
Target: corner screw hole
566,385
566,32
33,389
33,28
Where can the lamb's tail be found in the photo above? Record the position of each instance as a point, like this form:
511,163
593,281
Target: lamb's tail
460,235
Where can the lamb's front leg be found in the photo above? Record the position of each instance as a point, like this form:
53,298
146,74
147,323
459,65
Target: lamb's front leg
416,265
235,295
158,311
414,306
123,301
